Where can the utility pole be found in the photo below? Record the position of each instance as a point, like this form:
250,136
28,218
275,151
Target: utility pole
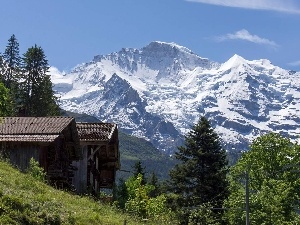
247,199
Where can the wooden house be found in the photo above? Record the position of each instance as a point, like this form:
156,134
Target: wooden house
84,156
100,149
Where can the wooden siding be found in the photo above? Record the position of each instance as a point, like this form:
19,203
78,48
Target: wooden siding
84,155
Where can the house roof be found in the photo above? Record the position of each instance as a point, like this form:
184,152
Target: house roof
32,129
96,131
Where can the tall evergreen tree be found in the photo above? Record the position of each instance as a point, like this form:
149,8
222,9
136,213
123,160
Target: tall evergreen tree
37,95
139,169
12,58
200,177
153,180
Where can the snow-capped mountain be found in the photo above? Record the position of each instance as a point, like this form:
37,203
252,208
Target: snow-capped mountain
158,92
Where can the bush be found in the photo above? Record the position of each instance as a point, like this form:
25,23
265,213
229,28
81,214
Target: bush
140,204
36,171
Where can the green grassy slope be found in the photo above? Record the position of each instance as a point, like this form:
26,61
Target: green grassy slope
24,200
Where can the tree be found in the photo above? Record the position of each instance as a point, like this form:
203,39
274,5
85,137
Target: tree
6,105
120,194
13,60
37,98
2,69
153,180
141,204
273,168
139,169
44,95
200,177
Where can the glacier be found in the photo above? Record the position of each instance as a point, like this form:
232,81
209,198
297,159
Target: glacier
159,91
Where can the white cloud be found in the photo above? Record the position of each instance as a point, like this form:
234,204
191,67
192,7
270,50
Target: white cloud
246,36
288,6
296,63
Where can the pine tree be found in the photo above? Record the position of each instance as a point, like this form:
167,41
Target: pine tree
37,95
200,177
138,169
13,60
44,95
153,180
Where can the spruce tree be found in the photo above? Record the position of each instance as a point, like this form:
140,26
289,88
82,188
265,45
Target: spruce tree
13,61
153,180
37,95
200,176
138,169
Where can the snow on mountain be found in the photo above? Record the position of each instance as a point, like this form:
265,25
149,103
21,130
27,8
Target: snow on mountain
158,92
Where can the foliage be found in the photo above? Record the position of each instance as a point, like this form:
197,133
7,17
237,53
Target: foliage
120,194
37,96
153,180
24,200
140,204
13,60
274,182
6,105
138,169
133,149
205,215
45,96
200,178
36,171
29,86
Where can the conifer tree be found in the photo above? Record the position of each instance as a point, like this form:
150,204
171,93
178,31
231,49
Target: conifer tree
153,180
10,69
13,61
200,176
138,169
37,95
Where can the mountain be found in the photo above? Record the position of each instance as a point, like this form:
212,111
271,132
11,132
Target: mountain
158,92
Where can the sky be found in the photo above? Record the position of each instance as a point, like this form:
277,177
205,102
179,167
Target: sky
72,32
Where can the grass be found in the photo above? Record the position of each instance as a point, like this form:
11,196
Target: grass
24,200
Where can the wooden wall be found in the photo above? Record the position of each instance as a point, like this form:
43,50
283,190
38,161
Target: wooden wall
20,153
80,175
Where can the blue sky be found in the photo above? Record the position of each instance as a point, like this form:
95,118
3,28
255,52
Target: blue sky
73,31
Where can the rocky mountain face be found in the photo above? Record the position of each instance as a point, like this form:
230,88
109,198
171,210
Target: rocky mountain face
158,92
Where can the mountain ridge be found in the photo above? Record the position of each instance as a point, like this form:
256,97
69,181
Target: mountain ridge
159,91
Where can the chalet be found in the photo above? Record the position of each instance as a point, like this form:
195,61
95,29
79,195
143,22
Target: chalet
100,150
83,155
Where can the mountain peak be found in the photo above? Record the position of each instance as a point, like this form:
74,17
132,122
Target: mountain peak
166,84
237,59
234,62
172,45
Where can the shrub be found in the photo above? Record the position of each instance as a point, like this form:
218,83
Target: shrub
36,171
